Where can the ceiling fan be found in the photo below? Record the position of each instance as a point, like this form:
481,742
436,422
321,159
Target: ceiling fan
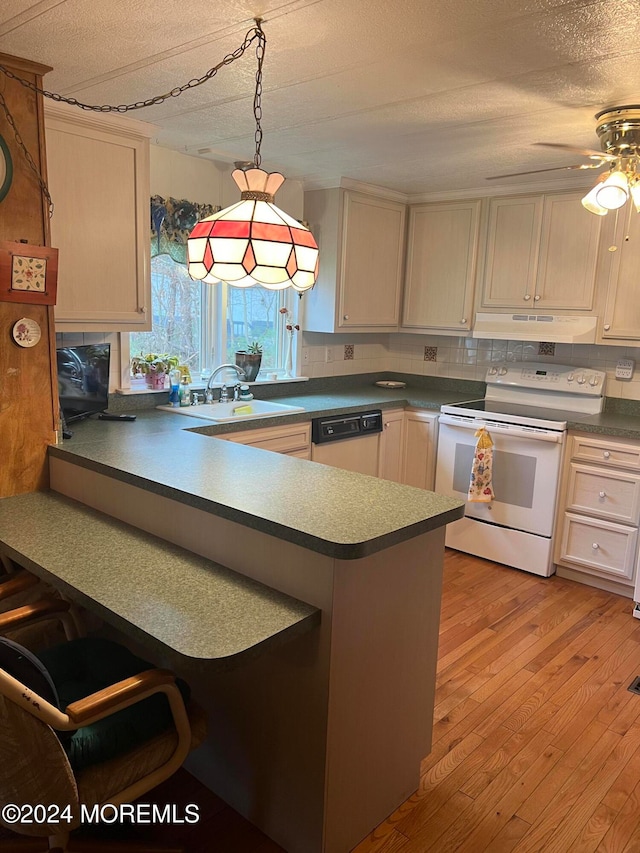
618,129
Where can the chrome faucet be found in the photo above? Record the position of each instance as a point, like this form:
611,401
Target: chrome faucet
223,392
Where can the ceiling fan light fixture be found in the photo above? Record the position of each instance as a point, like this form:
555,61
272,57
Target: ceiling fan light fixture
590,203
253,242
614,191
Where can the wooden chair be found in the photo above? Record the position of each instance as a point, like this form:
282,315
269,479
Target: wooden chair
35,765
19,588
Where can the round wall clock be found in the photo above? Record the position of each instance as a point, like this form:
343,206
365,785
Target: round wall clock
6,168
26,332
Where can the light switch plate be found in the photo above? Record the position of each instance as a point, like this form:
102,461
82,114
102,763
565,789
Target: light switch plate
624,368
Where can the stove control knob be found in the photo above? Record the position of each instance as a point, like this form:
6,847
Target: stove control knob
570,377
502,371
581,379
594,381
493,371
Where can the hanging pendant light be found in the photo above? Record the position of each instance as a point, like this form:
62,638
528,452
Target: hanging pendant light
254,242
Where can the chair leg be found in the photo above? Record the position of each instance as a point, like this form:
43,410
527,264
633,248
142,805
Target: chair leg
90,845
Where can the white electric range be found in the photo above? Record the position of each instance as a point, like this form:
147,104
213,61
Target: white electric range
525,411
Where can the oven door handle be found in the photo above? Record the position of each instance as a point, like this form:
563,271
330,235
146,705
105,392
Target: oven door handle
511,431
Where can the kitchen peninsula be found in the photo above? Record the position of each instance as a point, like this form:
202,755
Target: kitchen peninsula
315,740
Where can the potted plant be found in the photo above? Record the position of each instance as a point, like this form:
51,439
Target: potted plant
154,368
250,360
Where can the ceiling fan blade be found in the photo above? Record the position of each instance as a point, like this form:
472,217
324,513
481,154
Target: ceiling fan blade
586,152
553,169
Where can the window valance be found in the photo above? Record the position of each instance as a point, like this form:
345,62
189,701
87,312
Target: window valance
171,223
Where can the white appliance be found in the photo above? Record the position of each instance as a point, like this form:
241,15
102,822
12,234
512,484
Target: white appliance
525,412
560,328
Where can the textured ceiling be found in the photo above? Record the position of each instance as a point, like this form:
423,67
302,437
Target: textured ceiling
414,95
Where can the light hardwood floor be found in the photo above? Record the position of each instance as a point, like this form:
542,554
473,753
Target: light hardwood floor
536,737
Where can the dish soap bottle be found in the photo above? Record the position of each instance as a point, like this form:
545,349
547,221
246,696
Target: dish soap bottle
185,392
174,381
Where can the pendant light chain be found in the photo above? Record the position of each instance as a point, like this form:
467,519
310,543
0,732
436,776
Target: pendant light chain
254,34
21,145
257,98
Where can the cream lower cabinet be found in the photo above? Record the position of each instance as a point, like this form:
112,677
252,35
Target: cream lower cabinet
442,254
598,530
390,448
98,172
290,439
408,447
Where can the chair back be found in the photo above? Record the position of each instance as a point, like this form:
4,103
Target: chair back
35,767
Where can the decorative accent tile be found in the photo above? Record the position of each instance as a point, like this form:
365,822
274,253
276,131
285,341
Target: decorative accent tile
348,352
431,353
546,348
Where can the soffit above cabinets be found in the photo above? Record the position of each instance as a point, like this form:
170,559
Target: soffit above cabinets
414,96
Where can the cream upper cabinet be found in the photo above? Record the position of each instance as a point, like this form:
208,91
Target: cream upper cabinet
98,173
442,253
361,241
541,254
622,311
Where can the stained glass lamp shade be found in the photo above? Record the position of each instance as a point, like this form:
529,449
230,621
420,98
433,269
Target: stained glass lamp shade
253,241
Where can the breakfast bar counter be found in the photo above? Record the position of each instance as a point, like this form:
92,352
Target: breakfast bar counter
319,737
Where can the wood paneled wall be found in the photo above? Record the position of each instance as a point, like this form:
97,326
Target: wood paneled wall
28,383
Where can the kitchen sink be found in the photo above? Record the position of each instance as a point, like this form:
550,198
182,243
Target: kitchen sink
221,413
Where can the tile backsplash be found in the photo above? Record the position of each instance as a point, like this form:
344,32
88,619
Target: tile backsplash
459,358
424,355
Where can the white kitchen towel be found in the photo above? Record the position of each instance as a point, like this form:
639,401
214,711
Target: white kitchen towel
480,485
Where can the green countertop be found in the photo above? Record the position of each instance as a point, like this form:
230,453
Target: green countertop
328,510
193,610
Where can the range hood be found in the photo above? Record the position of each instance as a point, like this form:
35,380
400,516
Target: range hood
555,328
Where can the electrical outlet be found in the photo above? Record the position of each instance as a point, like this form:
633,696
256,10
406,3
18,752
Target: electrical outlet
328,354
624,368
305,355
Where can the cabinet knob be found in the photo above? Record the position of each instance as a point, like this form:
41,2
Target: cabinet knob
606,454
386,426
606,327
603,494
463,321
142,309
595,546
527,297
536,297
345,316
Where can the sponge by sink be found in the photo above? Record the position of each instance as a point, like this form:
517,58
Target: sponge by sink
243,410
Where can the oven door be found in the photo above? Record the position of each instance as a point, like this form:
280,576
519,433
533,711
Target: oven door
526,471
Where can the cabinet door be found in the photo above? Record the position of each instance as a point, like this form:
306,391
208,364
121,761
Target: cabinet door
568,254
419,449
622,311
371,261
442,250
390,448
99,182
512,251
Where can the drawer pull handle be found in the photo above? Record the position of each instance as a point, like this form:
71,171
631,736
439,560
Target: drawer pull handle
595,546
603,494
606,454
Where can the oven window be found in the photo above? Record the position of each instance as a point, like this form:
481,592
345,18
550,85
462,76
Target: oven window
513,475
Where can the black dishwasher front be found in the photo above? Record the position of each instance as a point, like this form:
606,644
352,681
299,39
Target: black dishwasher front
338,428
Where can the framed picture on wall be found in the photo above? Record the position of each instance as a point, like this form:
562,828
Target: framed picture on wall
28,274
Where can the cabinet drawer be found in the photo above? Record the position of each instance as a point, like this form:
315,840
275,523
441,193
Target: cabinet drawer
601,546
606,493
606,452
278,439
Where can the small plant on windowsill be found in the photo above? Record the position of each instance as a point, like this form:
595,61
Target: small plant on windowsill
250,360
154,368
